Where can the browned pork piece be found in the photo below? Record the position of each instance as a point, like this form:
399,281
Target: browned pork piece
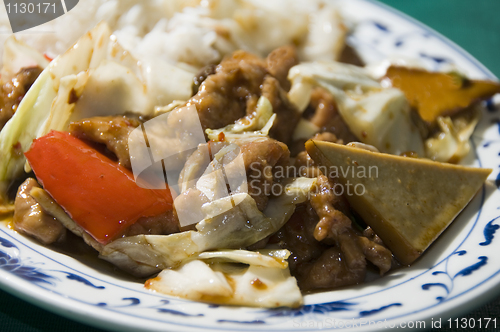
13,91
262,157
325,115
322,111
112,131
328,251
334,225
304,164
237,83
31,219
279,62
163,224
36,216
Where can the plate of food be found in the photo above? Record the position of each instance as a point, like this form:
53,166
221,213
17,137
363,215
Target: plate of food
243,165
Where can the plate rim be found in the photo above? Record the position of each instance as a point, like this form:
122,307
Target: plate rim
58,308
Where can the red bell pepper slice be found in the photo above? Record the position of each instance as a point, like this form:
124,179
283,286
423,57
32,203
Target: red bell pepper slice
97,193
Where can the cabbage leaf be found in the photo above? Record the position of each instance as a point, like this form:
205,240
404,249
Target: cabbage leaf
377,116
452,144
250,127
224,283
240,226
95,77
46,106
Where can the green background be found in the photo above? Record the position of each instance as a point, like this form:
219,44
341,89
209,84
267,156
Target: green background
472,24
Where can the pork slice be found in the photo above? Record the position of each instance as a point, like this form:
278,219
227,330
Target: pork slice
31,219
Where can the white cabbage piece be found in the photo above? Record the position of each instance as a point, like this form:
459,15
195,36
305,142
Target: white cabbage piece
326,36
250,127
315,25
37,113
266,258
240,226
305,129
341,76
377,116
104,78
166,82
254,24
452,144
112,89
225,174
26,124
17,55
194,280
300,94
264,283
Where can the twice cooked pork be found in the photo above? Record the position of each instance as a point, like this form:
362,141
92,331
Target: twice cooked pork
163,224
112,131
279,62
340,257
225,96
237,84
13,91
335,226
327,249
30,218
331,209
323,112
318,265
261,158
38,215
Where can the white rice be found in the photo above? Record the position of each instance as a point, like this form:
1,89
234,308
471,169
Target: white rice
195,32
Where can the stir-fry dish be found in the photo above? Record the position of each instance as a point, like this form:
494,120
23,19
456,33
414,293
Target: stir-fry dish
231,152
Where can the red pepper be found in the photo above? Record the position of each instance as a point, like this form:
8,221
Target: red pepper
97,193
49,59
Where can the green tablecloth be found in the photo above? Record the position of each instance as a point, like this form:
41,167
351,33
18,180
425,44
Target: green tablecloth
474,25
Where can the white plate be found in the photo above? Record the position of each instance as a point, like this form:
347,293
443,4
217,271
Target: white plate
459,272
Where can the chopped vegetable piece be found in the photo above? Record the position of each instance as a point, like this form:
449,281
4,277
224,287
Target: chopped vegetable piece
439,94
376,115
408,202
100,195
